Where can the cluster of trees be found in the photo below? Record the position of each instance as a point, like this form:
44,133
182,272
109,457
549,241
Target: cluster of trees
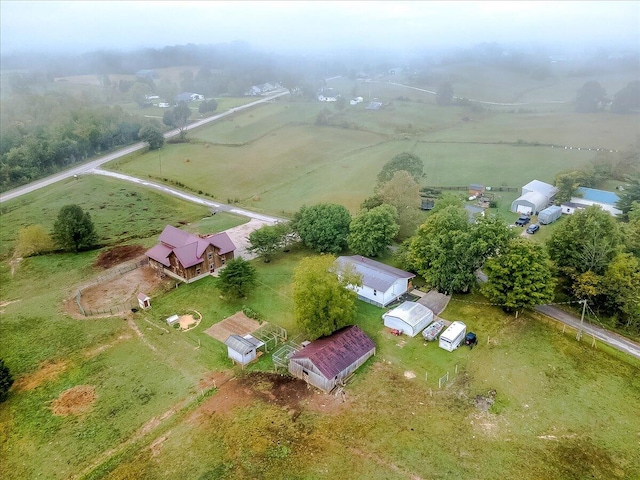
42,134
73,231
592,97
598,259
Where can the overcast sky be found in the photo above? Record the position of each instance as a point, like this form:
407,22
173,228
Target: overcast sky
79,26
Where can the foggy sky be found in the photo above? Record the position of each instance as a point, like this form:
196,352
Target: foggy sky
79,26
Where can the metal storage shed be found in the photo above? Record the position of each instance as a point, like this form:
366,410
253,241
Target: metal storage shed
410,318
529,203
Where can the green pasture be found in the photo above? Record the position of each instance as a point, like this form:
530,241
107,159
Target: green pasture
545,402
121,212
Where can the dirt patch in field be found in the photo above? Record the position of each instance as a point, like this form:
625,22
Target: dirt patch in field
48,371
117,255
74,401
120,290
238,324
290,393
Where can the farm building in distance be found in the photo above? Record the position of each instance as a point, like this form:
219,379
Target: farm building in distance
188,257
326,362
591,196
536,196
410,318
381,283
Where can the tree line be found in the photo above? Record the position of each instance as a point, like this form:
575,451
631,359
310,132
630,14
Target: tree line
42,134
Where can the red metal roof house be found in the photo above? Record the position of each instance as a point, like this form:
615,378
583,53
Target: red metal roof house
188,257
327,361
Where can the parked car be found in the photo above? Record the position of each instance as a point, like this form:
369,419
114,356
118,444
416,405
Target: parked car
533,228
523,220
470,339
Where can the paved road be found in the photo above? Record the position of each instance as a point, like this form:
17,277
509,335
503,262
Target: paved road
610,338
85,167
616,341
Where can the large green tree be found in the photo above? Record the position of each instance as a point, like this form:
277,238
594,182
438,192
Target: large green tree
178,118
587,240
372,231
6,380
323,303
73,229
403,192
628,99
630,194
621,285
406,161
237,278
444,95
151,135
265,241
520,277
33,240
447,250
590,97
323,227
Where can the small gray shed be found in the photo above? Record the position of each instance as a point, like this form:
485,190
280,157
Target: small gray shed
550,214
242,350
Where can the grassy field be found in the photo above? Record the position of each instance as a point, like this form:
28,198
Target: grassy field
561,409
545,402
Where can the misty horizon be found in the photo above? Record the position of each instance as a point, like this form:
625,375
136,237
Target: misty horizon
299,27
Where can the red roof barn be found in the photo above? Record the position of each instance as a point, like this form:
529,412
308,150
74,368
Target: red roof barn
188,257
326,362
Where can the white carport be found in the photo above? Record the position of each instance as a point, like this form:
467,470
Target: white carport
410,318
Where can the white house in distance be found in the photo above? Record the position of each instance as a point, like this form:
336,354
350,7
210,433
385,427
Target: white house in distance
536,196
590,196
410,318
381,284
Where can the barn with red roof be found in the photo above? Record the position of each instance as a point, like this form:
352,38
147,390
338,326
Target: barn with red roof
188,257
327,361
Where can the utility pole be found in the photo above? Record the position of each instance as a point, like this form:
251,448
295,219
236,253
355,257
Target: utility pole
584,307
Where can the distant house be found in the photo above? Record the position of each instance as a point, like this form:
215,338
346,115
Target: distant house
188,97
410,318
381,283
188,257
253,91
242,350
604,199
373,106
476,189
326,362
536,196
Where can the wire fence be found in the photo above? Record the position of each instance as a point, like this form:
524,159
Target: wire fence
111,309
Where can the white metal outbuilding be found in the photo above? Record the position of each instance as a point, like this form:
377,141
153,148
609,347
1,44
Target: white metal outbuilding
410,318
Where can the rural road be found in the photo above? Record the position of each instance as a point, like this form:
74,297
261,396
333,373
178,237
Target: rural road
85,167
610,338
616,341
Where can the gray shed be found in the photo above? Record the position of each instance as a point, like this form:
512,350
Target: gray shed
242,350
326,362
550,214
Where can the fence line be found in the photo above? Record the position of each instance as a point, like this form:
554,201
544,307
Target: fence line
466,187
122,307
